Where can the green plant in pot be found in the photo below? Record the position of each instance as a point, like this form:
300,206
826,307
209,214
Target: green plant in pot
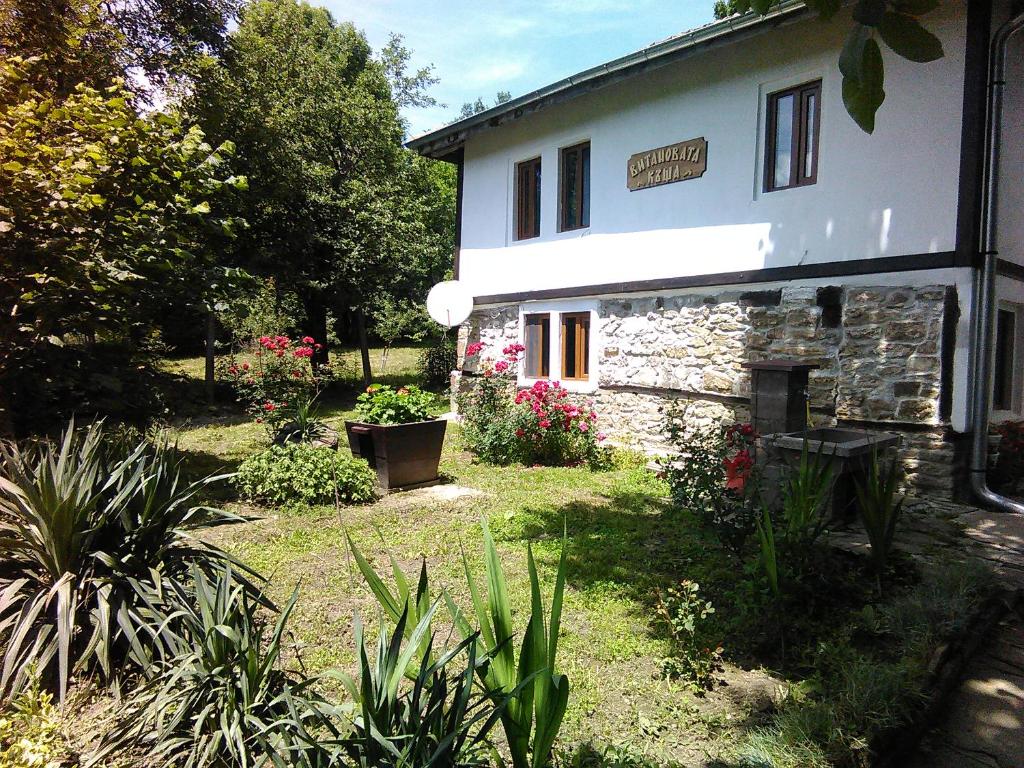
397,436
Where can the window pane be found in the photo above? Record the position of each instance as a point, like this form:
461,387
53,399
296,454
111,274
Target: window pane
528,199
784,107
569,187
576,345
536,339
809,136
536,198
1002,394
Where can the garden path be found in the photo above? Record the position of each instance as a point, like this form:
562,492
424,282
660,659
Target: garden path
983,726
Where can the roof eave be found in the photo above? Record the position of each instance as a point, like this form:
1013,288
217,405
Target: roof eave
443,142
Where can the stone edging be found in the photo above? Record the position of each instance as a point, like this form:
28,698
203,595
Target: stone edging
892,748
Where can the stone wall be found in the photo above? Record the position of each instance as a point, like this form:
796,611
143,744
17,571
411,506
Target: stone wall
879,350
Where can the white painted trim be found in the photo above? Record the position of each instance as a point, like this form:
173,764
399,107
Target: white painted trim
553,309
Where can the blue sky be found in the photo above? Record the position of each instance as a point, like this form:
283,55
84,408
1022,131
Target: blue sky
479,48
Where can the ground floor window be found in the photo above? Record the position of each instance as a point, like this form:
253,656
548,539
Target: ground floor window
558,340
1006,379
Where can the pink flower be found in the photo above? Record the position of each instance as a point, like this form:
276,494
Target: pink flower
601,437
308,340
544,423
474,348
584,426
501,366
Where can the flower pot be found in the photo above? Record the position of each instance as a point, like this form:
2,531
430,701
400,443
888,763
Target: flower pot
403,455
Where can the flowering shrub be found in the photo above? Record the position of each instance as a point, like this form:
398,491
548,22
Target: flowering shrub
711,476
281,381
380,404
539,425
1009,465
304,473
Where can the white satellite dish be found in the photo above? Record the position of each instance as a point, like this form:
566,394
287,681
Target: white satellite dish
449,303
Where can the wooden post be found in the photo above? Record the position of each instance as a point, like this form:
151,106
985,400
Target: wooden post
211,340
364,347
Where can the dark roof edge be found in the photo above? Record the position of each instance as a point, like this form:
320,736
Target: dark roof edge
446,140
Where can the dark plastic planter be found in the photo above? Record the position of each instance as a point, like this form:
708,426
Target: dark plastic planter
403,455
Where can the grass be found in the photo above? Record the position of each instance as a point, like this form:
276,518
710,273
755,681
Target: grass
849,672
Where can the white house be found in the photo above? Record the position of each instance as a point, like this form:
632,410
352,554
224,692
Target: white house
646,226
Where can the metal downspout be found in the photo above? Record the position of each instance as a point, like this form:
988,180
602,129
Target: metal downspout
986,293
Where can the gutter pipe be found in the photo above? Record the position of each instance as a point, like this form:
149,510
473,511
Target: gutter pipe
985,283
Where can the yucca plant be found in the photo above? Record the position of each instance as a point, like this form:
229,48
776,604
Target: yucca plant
533,715
880,510
804,496
414,716
222,698
92,533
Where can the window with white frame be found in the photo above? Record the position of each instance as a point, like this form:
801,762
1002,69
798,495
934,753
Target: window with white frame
559,344
1007,369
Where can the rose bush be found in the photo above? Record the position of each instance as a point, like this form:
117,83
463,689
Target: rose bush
280,383
539,425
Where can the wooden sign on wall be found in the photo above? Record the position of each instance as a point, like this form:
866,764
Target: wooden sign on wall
665,165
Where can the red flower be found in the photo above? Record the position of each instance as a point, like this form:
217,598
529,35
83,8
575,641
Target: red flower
520,433
474,348
544,423
501,366
308,340
245,366
268,407
737,470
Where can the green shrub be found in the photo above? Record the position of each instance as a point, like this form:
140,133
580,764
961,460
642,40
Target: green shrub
90,530
380,404
304,473
224,698
696,657
30,733
437,362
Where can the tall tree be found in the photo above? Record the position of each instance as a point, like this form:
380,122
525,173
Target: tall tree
319,138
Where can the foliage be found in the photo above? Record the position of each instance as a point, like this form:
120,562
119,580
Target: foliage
438,720
539,425
896,22
407,90
534,712
91,531
281,382
136,195
686,615
880,510
337,209
310,474
437,362
1009,465
395,319
710,476
30,733
222,698
805,496
476,107
380,404
267,309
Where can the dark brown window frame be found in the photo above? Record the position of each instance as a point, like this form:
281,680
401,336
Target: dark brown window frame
527,219
800,137
582,191
543,360
581,350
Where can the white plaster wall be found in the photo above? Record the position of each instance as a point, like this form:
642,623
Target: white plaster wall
893,193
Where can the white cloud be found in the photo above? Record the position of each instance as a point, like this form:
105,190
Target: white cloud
494,72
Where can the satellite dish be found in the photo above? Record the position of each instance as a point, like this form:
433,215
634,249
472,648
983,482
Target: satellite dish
449,303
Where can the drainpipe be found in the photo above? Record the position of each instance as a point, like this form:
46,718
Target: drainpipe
986,284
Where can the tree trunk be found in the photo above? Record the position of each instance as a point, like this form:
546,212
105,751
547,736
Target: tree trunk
364,347
211,340
316,324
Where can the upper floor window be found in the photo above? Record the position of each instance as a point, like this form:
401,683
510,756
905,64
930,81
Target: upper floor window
791,141
574,187
528,199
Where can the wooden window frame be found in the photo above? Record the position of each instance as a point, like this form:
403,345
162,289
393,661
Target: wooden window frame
543,362
527,220
581,345
582,191
802,134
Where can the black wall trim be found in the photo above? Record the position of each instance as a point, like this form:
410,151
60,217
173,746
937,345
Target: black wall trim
1010,269
972,135
911,263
